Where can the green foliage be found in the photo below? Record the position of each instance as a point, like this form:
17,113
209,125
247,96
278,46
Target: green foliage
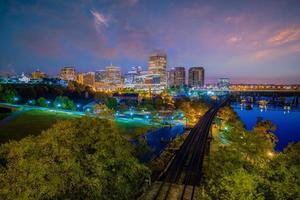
42,102
283,176
84,158
103,111
65,103
192,109
8,95
112,103
246,166
239,185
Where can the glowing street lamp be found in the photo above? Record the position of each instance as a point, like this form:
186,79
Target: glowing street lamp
59,105
270,154
16,99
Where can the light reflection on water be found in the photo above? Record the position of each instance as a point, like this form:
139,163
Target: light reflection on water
286,119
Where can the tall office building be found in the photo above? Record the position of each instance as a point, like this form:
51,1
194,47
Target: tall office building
68,74
113,75
100,76
89,79
86,78
131,76
196,77
176,76
158,66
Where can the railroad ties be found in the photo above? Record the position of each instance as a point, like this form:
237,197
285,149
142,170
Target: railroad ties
184,172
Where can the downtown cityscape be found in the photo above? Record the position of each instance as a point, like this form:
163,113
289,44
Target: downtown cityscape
150,100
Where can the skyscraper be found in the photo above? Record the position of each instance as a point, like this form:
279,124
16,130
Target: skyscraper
158,66
86,78
100,76
176,76
113,74
68,74
196,77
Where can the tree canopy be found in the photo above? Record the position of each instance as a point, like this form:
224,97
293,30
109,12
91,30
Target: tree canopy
84,158
246,167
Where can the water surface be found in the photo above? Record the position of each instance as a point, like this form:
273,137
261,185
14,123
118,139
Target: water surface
287,122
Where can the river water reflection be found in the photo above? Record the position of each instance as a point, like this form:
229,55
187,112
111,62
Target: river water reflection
286,121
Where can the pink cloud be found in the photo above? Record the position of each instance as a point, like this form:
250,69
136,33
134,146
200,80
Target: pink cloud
284,36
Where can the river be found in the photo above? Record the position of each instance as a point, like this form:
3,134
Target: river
287,122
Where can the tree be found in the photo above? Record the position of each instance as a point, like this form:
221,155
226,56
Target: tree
111,103
283,176
8,95
103,111
64,102
246,166
239,185
42,102
84,158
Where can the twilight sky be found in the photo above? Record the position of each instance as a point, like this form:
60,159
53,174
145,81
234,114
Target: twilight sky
245,40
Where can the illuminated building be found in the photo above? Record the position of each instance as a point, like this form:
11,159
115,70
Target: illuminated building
223,83
86,78
196,77
132,76
113,75
158,66
100,76
38,75
80,78
68,74
176,76
89,79
23,78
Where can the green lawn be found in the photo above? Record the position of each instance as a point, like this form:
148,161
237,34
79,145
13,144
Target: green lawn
133,129
32,122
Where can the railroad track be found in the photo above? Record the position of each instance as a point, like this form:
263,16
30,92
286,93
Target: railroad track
184,173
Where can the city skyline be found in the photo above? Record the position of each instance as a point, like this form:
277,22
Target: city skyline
253,42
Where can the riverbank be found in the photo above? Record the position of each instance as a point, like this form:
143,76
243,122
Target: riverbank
286,121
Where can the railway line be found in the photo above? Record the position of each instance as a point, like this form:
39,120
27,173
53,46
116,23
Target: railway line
184,173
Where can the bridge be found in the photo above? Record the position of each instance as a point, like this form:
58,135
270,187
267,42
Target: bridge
184,172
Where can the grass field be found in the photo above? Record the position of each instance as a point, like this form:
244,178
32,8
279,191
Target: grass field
33,122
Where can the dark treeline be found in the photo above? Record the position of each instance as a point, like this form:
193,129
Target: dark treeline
25,92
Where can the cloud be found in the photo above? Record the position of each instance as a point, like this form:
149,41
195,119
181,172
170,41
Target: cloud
99,20
285,36
234,40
